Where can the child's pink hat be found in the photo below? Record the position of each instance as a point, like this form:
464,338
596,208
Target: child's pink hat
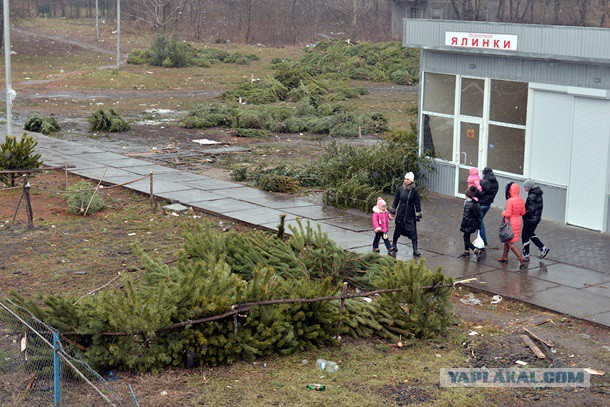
380,202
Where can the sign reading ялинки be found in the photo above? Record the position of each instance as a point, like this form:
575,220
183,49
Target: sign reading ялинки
514,377
503,42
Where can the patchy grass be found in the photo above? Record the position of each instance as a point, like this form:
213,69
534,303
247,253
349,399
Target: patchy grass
371,372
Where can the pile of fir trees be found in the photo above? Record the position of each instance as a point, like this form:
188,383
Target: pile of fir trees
131,328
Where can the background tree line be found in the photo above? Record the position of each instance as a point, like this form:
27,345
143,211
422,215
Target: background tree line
283,22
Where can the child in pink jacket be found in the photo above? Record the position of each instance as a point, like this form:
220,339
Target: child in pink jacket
381,225
474,179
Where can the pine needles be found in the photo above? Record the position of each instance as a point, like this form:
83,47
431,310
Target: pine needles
128,328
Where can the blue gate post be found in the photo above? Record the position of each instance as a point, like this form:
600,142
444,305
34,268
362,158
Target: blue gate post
56,371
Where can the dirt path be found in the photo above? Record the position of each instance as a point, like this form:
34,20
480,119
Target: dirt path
82,44
112,94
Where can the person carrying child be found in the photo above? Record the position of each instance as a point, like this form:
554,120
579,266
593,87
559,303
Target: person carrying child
381,225
471,222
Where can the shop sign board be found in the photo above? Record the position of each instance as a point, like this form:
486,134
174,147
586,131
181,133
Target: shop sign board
502,42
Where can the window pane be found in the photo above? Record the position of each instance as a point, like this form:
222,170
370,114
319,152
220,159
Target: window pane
508,102
472,97
439,93
438,137
506,149
469,144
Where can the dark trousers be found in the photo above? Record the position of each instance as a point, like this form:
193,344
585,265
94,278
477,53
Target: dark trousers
529,233
397,235
378,237
484,210
467,243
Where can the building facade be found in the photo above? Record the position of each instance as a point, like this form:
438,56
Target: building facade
530,101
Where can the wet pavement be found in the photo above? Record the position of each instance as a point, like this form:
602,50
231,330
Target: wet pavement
574,279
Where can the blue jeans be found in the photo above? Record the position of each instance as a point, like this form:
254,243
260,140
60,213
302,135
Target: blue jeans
484,209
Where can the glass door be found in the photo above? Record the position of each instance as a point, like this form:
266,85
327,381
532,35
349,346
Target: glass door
470,129
469,152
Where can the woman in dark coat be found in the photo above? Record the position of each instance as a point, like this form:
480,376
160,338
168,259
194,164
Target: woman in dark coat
531,219
408,213
471,222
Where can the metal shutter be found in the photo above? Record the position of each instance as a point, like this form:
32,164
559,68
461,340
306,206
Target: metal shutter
588,187
551,137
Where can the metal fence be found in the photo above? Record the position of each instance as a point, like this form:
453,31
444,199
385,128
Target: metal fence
36,369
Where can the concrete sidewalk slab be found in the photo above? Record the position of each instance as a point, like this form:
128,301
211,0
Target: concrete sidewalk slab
210,184
573,279
224,206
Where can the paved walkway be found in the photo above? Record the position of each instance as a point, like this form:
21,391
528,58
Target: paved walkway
574,279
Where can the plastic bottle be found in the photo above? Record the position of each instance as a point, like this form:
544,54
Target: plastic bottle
327,365
321,364
316,386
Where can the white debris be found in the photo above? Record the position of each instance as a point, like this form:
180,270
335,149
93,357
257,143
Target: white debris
496,299
471,300
205,141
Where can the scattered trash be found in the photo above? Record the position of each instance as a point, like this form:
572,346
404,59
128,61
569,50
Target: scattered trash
164,393
437,355
521,363
606,347
585,336
205,141
594,372
471,300
112,376
316,386
468,280
304,361
80,273
131,234
367,299
473,333
399,344
496,299
327,365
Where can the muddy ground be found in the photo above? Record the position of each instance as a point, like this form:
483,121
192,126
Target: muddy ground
65,253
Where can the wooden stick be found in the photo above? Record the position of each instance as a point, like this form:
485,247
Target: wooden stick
237,308
533,335
152,195
17,207
468,280
66,172
528,341
99,288
28,203
343,292
95,192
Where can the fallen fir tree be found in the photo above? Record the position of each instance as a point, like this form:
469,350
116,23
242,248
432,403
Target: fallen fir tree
149,324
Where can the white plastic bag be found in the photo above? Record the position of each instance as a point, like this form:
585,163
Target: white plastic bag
478,242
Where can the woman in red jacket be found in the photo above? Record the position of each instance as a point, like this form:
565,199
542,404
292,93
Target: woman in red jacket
515,208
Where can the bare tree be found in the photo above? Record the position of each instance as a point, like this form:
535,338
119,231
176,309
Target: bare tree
351,8
604,6
157,13
472,10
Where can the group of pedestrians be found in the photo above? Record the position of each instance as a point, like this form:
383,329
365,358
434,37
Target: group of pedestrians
406,211
523,216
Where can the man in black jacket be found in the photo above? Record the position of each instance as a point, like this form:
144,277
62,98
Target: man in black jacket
486,196
533,214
